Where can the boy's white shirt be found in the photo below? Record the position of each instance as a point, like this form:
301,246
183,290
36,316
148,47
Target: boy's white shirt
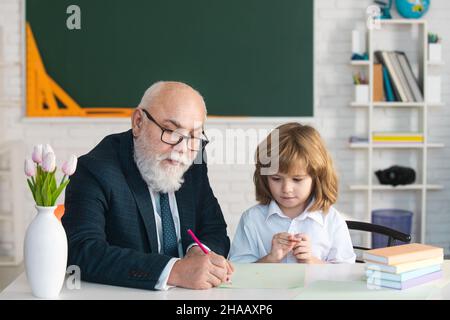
330,238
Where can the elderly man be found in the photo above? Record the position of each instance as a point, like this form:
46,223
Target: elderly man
135,195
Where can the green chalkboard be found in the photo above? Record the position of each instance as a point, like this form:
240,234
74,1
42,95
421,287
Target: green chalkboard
246,57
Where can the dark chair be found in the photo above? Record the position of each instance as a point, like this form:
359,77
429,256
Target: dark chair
393,235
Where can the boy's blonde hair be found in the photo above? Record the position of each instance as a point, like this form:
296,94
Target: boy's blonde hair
299,146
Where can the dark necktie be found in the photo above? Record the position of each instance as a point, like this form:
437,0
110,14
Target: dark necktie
170,243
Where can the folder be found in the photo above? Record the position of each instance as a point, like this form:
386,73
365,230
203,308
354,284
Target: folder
378,93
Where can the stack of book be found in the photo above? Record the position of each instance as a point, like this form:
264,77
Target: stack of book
404,266
399,81
397,137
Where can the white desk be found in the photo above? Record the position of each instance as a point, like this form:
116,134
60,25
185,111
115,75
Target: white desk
320,282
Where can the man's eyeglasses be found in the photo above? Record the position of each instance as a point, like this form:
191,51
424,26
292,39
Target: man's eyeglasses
173,137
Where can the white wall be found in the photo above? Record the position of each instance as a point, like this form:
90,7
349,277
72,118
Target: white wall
334,20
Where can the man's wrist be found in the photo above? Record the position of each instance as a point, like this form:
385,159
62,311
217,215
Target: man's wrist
173,276
163,281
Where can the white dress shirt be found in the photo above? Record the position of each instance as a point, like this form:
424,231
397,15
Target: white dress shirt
164,277
330,238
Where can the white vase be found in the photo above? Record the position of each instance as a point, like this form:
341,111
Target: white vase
45,253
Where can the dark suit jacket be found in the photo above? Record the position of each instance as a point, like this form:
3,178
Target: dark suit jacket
109,218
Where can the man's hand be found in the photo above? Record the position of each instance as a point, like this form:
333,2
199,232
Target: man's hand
198,270
195,250
216,259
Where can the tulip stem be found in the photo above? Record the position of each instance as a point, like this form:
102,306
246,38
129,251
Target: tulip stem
62,180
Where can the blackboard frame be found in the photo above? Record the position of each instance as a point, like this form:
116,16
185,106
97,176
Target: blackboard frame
309,113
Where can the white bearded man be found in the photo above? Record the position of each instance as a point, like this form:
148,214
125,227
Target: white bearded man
134,196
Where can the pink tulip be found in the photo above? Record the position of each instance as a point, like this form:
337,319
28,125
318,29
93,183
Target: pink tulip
37,153
68,168
46,149
30,168
49,162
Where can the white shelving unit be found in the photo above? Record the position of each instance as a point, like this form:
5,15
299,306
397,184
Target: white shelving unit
357,187
394,105
364,145
373,108
12,219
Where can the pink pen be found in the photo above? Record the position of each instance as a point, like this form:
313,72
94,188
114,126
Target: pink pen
197,241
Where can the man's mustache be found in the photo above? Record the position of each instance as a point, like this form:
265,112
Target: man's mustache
175,156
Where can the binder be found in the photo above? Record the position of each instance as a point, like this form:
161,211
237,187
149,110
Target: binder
378,92
389,92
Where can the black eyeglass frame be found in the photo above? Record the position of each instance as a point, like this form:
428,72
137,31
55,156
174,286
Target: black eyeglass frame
204,141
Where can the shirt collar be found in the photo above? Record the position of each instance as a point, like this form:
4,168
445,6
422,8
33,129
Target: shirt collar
317,215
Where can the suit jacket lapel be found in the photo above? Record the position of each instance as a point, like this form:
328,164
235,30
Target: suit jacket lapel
139,188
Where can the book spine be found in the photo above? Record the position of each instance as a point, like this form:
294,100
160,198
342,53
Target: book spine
416,256
412,81
421,280
380,55
394,77
397,139
407,284
401,75
405,276
401,268
387,86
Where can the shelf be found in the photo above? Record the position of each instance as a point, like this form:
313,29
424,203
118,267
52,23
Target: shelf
383,104
360,62
365,145
362,187
395,104
402,21
414,33
367,63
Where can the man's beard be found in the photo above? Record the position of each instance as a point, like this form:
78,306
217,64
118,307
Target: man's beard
159,177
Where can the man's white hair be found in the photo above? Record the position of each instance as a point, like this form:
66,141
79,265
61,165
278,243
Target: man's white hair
150,94
155,89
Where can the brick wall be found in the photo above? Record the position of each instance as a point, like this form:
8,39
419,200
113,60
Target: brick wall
232,183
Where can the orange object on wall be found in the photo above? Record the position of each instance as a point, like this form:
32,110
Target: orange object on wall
43,92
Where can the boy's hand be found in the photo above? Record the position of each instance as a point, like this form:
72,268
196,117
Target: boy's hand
282,244
302,250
